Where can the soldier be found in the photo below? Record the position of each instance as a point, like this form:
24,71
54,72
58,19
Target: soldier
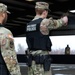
37,36
8,59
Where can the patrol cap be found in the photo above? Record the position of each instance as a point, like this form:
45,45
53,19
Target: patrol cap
42,5
3,8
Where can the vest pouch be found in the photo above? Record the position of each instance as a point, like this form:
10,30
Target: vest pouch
37,59
41,59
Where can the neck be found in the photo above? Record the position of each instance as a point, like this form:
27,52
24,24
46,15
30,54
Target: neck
41,16
1,23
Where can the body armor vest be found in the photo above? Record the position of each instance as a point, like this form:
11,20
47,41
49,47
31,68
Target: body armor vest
1,58
35,39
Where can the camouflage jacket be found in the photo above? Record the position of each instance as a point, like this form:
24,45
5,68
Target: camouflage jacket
8,51
49,24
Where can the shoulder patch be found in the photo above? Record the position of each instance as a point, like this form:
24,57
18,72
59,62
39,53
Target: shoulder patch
10,36
45,22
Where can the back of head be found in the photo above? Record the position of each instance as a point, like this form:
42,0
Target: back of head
42,5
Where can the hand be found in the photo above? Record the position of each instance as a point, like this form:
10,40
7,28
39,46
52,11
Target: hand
65,19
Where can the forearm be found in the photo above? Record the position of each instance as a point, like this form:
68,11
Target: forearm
54,24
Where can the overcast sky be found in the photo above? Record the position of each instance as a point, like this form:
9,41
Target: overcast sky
58,44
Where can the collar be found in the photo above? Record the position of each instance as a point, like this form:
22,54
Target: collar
37,17
1,25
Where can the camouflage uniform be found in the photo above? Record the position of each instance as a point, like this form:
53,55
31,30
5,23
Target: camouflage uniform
7,48
49,24
45,27
8,51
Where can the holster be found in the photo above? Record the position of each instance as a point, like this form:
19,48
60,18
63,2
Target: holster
45,60
47,63
29,60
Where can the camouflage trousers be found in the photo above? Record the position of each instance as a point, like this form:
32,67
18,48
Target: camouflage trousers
37,69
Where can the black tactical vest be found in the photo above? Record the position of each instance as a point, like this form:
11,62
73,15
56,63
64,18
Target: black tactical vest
35,39
1,58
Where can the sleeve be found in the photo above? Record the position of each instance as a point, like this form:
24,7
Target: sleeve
9,54
52,23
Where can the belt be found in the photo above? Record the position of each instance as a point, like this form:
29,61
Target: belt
41,52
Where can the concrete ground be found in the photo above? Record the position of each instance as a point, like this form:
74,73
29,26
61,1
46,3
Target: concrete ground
57,69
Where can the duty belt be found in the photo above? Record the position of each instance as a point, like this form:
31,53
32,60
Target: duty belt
39,52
